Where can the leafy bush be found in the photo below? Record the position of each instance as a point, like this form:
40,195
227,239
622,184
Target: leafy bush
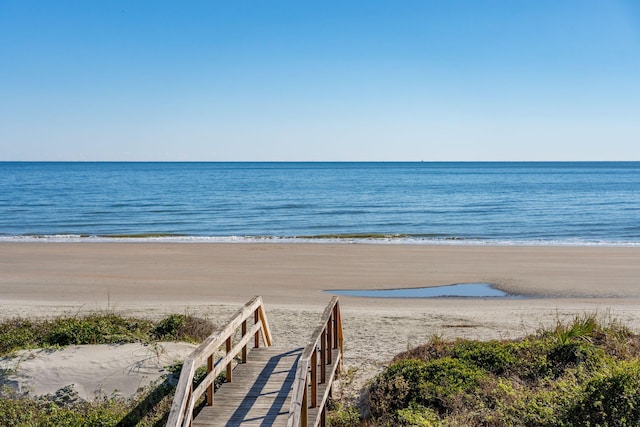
341,415
183,327
610,398
415,383
493,356
96,329
16,334
417,416
22,411
584,373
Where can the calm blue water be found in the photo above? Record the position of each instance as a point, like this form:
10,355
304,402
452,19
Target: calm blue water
470,203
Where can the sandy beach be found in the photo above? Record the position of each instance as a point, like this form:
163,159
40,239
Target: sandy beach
213,280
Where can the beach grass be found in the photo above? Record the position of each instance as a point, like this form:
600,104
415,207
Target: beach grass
98,328
585,372
21,410
148,408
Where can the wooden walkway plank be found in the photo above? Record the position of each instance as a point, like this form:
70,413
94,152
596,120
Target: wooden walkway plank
260,393
274,386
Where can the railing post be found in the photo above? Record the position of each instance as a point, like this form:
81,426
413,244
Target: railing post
330,339
314,379
339,335
256,336
336,314
244,348
188,418
264,327
229,367
323,357
304,410
210,388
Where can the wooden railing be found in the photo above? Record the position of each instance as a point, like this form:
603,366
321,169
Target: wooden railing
317,368
186,396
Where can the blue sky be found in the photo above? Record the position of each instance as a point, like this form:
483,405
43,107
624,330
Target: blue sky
333,80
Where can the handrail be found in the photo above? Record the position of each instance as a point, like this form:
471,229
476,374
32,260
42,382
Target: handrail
186,396
325,339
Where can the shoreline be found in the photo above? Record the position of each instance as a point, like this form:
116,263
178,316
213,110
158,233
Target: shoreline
346,239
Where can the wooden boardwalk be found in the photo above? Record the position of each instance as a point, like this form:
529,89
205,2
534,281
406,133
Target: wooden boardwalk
260,394
271,386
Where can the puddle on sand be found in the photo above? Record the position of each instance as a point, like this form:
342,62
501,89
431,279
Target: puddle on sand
468,290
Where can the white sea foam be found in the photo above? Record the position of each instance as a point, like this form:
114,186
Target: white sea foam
404,240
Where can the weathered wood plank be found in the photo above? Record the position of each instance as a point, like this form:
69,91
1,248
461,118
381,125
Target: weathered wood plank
260,393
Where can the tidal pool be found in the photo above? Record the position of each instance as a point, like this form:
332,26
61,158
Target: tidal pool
469,290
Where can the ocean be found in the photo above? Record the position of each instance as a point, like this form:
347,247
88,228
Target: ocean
519,203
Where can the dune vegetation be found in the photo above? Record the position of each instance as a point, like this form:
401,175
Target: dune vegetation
148,408
585,373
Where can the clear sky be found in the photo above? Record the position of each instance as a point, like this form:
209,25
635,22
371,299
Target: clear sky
320,80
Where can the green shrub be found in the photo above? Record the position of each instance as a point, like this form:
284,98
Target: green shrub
22,411
493,356
610,398
170,326
16,334
434,349
183,327
564,355
414,382
417,416
531,358
96,329
396,387
580,374
99,328
341,415
447,376
542,405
